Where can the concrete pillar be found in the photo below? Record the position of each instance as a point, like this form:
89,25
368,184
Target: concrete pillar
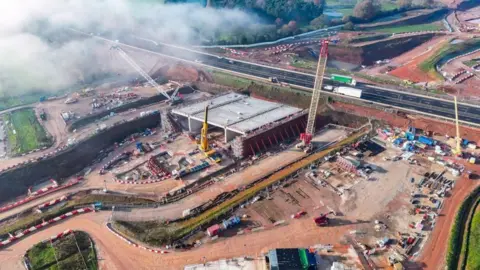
194,126
230,135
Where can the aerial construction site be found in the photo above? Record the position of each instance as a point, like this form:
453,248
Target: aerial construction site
214,162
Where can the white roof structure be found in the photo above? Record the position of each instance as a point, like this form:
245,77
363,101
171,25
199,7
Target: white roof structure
228,264
237,113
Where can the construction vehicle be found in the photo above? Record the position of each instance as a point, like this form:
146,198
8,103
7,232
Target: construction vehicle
204,132
348,91
143,148
43,115
343,79
172,99
312,111
322,220
273,79
457,151
176,98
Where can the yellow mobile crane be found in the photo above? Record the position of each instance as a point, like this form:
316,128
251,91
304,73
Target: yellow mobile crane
204,139
204,145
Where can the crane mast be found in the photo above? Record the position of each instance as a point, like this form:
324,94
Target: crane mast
458,148
134,65
312,111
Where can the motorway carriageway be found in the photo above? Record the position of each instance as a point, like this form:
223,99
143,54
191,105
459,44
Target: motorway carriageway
418,103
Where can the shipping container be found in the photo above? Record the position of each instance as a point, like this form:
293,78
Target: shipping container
213,230
231,222
426,140
348,91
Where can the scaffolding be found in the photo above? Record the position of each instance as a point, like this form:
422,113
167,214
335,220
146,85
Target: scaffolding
167,126
237,147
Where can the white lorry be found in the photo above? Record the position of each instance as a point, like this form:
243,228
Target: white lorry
348,91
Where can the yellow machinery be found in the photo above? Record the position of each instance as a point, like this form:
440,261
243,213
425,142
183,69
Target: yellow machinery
458,150
204,139
204,146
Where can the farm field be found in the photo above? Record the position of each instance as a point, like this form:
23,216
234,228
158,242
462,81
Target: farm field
24,132
74,251
345,7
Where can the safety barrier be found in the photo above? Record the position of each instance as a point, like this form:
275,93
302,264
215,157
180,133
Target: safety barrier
462,79
52,202
456,75
142,182
109,227
14,238
58,236
36,196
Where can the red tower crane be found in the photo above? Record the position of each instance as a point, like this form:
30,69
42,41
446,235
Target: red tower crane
312,111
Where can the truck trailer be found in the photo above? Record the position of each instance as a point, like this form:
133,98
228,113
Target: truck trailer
343,79
348,91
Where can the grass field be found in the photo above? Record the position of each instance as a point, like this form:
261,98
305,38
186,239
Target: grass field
473,256
471,63
24,132
7,101
242,83
346,7
303,63
74,251
230,80
411,28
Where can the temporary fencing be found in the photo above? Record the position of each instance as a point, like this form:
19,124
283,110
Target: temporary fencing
14,238
52,202
58,236
37,194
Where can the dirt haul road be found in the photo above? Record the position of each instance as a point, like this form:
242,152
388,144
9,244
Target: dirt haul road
113,253
435,249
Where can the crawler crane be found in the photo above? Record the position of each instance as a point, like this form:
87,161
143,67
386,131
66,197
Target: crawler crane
306,137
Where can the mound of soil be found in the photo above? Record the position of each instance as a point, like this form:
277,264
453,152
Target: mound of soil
182,73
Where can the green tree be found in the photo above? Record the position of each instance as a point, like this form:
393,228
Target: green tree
347,18
320,22
404,3
243,39
366,9
423,3
349,26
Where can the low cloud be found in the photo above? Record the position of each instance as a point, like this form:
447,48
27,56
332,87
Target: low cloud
38,53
